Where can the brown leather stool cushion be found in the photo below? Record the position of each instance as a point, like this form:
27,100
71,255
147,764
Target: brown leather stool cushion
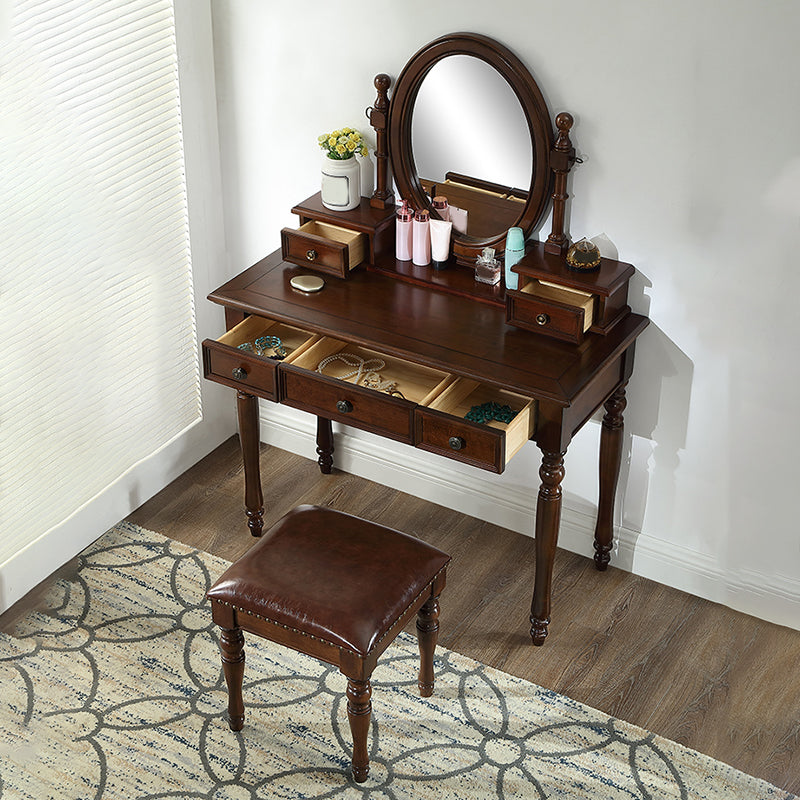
331,576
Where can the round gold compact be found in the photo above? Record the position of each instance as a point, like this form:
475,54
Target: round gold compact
583,255
307,283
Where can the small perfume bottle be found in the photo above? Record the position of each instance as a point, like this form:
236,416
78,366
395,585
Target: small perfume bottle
487,267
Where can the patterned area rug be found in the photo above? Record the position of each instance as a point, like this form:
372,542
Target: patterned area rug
117,692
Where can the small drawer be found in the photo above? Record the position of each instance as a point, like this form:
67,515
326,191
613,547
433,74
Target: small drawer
224,362
552,310
322,380
441,427
323,247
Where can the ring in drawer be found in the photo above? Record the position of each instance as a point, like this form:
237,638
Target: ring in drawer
323,247
322,380
253,366
443,429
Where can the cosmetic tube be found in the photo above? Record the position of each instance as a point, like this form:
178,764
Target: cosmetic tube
515,249
458,216
421,238
403,233
440,242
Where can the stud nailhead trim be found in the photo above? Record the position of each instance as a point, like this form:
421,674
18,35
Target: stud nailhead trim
325,641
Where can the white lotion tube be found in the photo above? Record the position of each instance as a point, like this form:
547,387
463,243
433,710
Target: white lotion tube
440,241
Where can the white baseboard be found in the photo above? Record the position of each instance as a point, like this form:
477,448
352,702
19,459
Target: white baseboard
511,504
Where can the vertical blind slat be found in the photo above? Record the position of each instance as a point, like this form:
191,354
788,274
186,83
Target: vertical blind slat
99,355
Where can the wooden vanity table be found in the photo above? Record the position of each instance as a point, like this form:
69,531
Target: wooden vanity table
446,342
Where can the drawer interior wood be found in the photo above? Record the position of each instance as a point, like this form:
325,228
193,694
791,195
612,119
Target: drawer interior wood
294,340
563,296
414,382
354,241
460,396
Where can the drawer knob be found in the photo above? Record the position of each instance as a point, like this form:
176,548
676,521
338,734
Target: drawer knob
456,443
344,406
542,319
311,255
239,373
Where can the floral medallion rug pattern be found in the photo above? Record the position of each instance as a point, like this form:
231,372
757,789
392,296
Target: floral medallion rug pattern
116,691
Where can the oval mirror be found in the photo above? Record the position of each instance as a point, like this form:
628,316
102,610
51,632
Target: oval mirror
468,121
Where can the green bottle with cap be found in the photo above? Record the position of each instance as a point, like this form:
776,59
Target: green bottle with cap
515,249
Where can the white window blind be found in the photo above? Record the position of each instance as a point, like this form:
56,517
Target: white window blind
99,366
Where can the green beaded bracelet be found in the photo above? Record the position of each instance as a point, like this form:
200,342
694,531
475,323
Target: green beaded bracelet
264,343
487,412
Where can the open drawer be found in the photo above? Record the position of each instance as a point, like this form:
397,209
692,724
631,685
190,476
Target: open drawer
324,247
441,427
246,369
557,311
380,395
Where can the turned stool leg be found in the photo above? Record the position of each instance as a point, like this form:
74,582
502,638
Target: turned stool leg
359,709
232,647
427,636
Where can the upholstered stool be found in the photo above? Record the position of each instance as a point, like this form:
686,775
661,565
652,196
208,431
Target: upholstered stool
335,587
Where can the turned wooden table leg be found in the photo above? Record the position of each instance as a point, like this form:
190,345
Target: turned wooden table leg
359,710
427,635
548,518
250,440
324,445
610,461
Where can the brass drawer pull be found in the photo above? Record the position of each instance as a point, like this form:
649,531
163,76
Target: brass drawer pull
542,319
311,255
344,406
456,443
239,373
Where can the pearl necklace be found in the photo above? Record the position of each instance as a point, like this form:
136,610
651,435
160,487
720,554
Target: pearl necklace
372,365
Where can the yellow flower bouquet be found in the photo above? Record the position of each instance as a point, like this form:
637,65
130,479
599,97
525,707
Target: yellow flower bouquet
342,144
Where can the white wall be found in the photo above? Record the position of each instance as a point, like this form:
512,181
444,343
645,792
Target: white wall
688,122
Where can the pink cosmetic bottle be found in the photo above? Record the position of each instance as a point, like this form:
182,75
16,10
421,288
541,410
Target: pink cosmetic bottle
440,204
421,239
403,232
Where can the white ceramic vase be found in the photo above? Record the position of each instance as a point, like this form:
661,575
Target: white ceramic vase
341,183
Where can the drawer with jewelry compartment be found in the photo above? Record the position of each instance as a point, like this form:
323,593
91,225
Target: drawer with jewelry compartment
557,311
360,387
323,247
247,356
476,423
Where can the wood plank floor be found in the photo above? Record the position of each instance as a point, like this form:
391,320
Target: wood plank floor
695,672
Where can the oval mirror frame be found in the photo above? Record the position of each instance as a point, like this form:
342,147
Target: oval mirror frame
401,109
